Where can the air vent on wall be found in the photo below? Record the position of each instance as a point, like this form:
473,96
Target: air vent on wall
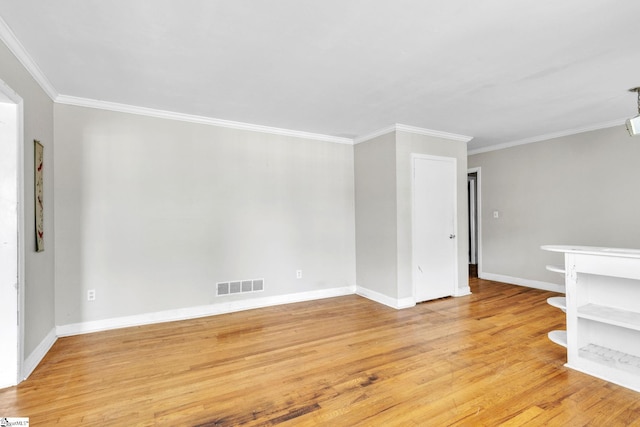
239,287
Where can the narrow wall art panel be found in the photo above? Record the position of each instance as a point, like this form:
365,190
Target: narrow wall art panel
39,211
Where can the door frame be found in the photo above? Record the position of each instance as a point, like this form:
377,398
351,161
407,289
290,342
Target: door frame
18,230
478,173
473,218
454,161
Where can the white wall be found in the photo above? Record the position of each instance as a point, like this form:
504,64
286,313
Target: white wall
575,190
152,213
39,266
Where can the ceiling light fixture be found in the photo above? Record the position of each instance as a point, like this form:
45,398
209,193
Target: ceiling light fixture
633,125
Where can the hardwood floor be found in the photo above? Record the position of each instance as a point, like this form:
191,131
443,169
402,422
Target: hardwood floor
482,359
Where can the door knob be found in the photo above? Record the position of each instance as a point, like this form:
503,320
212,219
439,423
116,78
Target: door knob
452,236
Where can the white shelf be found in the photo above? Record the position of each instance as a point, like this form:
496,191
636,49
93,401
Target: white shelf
594,250
555,269
558,302
610,315
602,312
611,358
558,337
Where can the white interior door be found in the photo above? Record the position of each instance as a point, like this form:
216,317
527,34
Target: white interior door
434,227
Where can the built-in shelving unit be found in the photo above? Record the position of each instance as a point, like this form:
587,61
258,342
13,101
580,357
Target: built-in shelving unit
558,302
555,269
558,337
610,315
603,312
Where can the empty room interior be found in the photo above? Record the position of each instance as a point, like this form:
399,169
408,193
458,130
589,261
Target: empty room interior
290,212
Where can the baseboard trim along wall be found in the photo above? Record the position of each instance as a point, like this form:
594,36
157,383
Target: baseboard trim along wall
545,286
32,361
36,356
461,292
385,299
200,311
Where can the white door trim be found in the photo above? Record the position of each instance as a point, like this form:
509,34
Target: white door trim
478,171
18,302
414,157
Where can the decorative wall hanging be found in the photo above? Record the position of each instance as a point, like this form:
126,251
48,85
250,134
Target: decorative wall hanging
39,217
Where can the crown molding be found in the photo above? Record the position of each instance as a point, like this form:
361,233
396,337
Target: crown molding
547,137
434,133
170,115
412,129
14,45
374,134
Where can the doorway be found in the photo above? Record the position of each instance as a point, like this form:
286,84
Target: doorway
435,261
473,192
11,232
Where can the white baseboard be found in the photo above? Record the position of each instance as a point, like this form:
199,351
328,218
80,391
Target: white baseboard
385,299
461,292
406,303
545,286
36,356
200,311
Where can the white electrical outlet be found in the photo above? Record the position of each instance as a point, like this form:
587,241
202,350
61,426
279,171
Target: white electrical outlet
298,274
91,295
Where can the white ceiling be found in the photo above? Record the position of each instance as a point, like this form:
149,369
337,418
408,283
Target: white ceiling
501,71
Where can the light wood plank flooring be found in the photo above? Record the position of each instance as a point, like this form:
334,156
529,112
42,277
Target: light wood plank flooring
482,359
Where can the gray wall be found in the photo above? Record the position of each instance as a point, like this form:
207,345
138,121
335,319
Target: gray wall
151,213
39,267
376,215
576,190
